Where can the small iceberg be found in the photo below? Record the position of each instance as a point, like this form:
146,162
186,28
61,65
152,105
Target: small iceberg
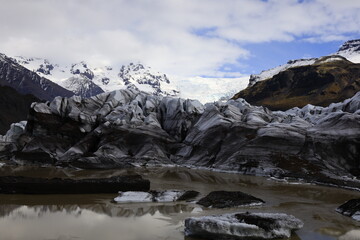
242,226
155,196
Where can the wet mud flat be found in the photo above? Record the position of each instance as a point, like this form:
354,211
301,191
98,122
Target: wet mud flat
97,216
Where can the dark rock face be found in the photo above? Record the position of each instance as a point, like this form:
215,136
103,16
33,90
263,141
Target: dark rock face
224,199
14,107
26,185
242,226
130,128
45,69
27,82
329,79
351,209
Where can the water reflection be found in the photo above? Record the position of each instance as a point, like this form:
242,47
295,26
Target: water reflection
74,222
95,216
132,210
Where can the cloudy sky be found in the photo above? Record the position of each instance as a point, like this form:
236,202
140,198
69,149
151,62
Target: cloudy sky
212,38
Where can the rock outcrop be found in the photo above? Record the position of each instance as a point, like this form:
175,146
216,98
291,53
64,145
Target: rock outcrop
27,185
242,226
225,199
129,128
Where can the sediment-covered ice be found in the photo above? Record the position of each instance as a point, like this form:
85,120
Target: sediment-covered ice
242,225
130,128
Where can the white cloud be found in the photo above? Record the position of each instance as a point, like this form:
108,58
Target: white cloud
161,33
210,89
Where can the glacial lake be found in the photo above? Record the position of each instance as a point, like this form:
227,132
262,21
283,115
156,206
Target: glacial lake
96,216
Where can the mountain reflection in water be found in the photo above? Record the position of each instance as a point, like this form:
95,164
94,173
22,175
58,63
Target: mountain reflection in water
135,210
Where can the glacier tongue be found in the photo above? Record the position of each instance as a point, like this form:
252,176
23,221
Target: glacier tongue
130,128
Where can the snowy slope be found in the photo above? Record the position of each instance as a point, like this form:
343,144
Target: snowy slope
266,74
26,81
350,50
86,80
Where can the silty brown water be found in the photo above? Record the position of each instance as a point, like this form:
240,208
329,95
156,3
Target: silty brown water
96,216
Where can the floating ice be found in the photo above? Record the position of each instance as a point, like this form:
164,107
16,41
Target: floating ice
242,225
155,196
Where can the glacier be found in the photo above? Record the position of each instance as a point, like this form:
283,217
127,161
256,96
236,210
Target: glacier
127,128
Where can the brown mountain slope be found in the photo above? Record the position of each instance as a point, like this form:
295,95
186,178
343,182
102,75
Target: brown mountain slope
14,107
322,83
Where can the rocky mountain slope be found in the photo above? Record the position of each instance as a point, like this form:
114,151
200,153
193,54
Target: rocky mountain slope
349,50
318,81
129,128
14,107
327,80
86,80
25,81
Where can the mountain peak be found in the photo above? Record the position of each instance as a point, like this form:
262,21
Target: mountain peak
86,80
350,50
353,45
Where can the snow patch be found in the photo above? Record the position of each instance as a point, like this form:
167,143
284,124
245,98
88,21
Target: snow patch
266,74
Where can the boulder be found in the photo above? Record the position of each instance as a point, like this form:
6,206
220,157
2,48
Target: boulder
237,226
225,199
351,209
27,185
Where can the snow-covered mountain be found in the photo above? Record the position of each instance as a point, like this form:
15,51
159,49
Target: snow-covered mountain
349,50
86,80
25,81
